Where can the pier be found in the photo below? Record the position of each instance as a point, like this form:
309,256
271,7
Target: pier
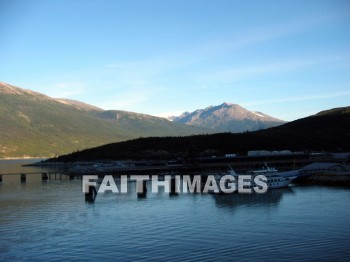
45,176
202,166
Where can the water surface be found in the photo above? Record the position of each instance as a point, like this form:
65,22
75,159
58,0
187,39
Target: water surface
50,221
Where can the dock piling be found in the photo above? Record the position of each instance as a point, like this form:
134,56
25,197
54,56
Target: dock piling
174,186
23,178
91,194
44,177
0,178
142,192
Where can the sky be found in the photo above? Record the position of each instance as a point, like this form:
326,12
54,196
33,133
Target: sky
288,59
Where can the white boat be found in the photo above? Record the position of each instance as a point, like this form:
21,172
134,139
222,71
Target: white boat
274,178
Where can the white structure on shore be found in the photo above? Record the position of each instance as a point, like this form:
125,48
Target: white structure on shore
271,153
326,168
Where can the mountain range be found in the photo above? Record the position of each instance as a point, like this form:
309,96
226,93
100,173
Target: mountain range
326,131
36,125
228,117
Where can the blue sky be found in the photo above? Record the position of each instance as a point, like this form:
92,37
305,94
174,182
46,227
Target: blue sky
289,59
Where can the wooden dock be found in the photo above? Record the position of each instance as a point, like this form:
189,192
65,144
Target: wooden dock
45,176
201,167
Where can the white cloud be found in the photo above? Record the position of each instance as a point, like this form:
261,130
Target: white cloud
299,98
126,84
126,100
67,90
204,52
237,73
169,113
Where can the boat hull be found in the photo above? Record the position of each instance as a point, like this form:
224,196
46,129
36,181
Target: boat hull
280,182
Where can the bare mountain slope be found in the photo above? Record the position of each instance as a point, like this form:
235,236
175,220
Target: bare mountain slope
228,117
33,124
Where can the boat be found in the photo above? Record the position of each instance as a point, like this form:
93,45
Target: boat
274,178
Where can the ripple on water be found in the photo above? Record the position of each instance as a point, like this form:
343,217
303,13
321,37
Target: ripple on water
51,221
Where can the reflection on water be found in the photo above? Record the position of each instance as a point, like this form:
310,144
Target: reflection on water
50,220
271,197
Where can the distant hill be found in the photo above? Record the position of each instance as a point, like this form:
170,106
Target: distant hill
228,118
33,124
78,105
326,131
335,111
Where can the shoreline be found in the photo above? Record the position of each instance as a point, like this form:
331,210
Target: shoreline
24,158
328,179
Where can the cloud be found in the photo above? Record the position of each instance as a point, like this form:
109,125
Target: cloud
299,98
237,73
169,113
129,99
182,64
126,84
245,38
67,90
211,49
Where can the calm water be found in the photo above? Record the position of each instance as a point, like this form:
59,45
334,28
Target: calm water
50,221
